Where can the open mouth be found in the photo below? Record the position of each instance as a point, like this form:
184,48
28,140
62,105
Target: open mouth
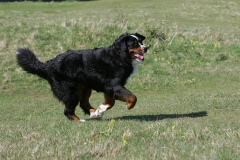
139,57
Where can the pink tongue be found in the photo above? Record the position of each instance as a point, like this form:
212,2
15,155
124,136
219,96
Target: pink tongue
140,56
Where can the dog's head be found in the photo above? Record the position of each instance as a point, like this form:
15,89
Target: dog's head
132,45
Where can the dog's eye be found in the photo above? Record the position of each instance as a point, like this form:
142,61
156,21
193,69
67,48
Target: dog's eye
135,44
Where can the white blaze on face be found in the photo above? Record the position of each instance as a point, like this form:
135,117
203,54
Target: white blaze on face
142,46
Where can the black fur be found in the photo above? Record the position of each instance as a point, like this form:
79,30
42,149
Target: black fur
101,69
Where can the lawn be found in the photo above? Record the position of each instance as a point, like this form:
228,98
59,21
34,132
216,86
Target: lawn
188,87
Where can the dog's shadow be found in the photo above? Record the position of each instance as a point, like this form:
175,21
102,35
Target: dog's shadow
161,116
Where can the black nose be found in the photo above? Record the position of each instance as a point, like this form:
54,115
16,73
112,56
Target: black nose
145,49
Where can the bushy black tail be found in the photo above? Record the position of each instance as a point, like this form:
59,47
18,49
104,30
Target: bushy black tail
29,62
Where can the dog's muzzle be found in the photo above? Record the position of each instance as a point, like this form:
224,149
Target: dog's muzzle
144,48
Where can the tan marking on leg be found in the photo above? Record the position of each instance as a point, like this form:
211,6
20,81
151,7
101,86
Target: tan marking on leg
109,101
92,110
75,118
131,100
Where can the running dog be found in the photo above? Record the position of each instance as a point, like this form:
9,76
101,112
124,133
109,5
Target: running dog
74,74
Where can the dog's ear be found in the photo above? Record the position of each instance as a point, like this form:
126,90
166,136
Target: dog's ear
120,43
140,36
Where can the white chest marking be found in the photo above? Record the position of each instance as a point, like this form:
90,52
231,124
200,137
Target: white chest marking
135,68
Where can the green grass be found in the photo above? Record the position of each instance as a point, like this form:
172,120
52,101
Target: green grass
187,88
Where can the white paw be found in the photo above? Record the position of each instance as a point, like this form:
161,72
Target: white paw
103,108
99,112
96,114
82,120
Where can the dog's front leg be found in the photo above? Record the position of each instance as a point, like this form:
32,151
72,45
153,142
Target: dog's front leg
108,104
125,95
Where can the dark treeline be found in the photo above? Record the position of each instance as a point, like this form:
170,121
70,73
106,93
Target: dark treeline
40,0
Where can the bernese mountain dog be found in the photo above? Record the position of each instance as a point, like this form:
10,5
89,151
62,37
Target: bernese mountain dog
74,74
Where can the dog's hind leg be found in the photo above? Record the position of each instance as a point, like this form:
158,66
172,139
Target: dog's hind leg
71,101
69,98
84,95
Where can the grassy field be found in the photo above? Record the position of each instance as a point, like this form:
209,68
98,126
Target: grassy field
188,87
